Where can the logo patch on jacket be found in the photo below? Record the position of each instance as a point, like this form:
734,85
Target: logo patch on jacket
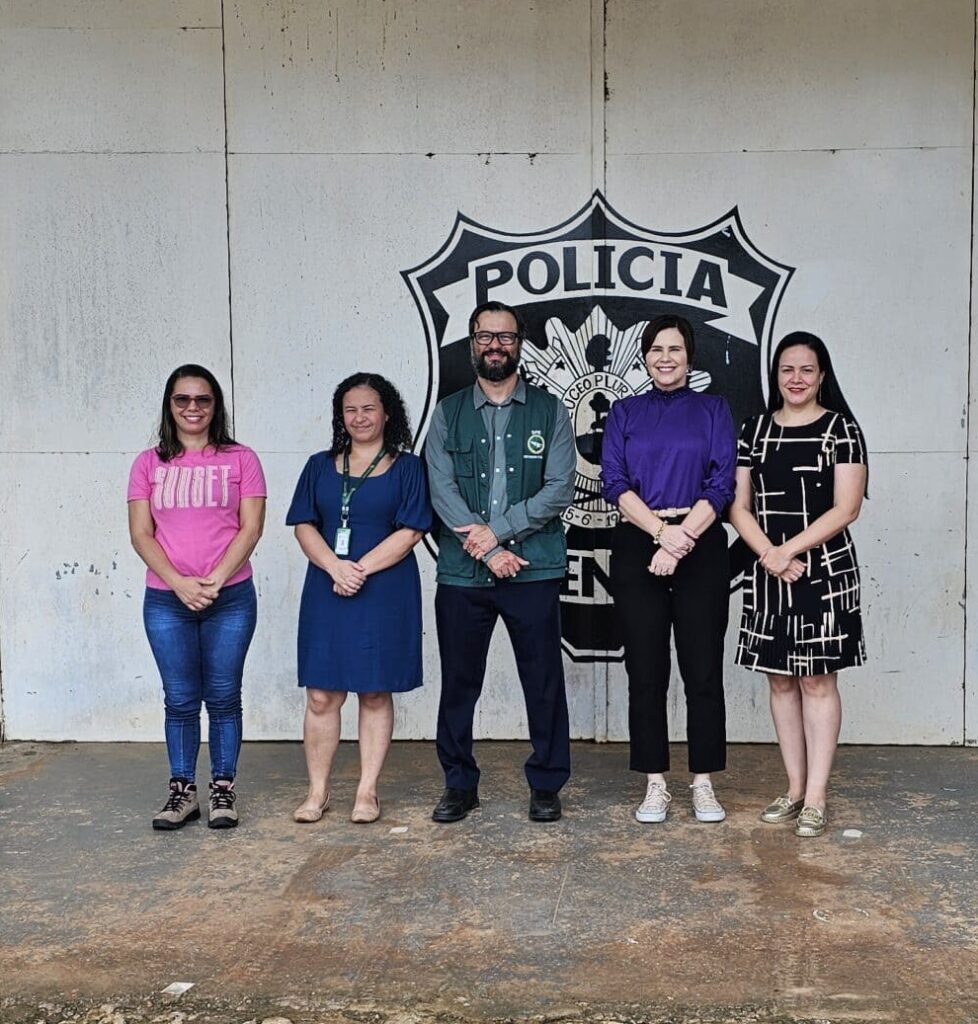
536,443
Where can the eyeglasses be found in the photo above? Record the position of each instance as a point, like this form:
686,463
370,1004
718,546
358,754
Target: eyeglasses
183,401
505,338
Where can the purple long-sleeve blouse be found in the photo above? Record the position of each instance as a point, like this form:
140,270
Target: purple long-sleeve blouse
671,448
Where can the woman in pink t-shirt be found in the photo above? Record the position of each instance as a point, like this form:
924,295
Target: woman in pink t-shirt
196,511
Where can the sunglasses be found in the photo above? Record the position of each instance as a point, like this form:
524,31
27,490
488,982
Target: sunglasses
183,401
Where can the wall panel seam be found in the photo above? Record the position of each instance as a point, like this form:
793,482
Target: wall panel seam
971,339
227,208
601,672
831,150
111,152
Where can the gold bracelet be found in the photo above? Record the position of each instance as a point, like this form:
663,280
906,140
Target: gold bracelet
658,533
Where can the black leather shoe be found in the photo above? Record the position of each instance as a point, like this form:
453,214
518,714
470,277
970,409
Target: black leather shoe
455,804
544,805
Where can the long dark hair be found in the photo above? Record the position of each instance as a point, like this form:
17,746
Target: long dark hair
219,431
397,430
829,394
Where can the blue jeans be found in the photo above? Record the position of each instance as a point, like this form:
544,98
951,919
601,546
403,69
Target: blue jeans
201,658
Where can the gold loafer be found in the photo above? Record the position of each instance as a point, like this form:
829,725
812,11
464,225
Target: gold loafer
310,815
783,809
811,823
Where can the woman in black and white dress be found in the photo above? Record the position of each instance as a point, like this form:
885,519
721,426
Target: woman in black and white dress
801,479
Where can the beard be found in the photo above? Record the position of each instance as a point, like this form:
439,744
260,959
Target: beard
495,371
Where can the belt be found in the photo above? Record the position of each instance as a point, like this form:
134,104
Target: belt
670,513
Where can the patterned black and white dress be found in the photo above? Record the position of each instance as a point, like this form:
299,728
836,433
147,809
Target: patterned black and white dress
813,626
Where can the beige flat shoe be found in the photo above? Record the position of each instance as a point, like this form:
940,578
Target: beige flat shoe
364,814
310,815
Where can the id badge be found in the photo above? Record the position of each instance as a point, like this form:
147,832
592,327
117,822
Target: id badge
342,545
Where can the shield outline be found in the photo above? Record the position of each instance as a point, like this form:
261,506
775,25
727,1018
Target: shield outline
597,204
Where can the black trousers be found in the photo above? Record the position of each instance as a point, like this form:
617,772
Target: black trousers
693,603
465,618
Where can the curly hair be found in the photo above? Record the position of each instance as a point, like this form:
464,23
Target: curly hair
219,433
397,430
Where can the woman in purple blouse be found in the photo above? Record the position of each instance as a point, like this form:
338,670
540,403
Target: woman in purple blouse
668,464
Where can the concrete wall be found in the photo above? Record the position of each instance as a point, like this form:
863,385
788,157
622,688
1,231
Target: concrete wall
242,184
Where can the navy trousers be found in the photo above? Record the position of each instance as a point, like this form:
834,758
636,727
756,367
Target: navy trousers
465,617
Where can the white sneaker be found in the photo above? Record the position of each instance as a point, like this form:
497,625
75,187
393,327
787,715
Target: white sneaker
655,804
706,807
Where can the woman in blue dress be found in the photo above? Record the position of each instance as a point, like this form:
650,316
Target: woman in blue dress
358,511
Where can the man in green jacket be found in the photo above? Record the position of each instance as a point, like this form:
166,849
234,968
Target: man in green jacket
501,459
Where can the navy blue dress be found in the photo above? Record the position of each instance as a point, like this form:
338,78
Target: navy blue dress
371,642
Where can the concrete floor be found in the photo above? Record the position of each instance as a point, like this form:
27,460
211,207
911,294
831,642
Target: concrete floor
596,917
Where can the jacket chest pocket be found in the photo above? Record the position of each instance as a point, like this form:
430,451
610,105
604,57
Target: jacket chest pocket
462,456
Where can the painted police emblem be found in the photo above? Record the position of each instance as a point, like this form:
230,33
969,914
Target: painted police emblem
586,289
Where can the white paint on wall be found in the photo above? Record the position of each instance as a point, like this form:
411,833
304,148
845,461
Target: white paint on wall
695,76
103,77
341,306
357,76
117,273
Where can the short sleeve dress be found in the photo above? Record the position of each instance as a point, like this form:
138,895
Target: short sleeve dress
369,643
814,626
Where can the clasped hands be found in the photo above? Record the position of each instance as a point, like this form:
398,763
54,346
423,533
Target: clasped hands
674,543
348,577
480,540
197,592
777,561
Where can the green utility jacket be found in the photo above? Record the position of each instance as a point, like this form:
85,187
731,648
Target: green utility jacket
530,426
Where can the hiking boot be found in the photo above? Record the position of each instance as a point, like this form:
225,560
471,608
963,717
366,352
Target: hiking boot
181,807
222,813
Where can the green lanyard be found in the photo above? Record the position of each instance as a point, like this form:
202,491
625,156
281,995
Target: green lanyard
349,488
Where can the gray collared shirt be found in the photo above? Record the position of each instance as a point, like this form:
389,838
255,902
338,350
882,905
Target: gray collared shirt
507,522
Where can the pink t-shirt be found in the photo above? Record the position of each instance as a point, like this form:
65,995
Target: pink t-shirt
194,501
